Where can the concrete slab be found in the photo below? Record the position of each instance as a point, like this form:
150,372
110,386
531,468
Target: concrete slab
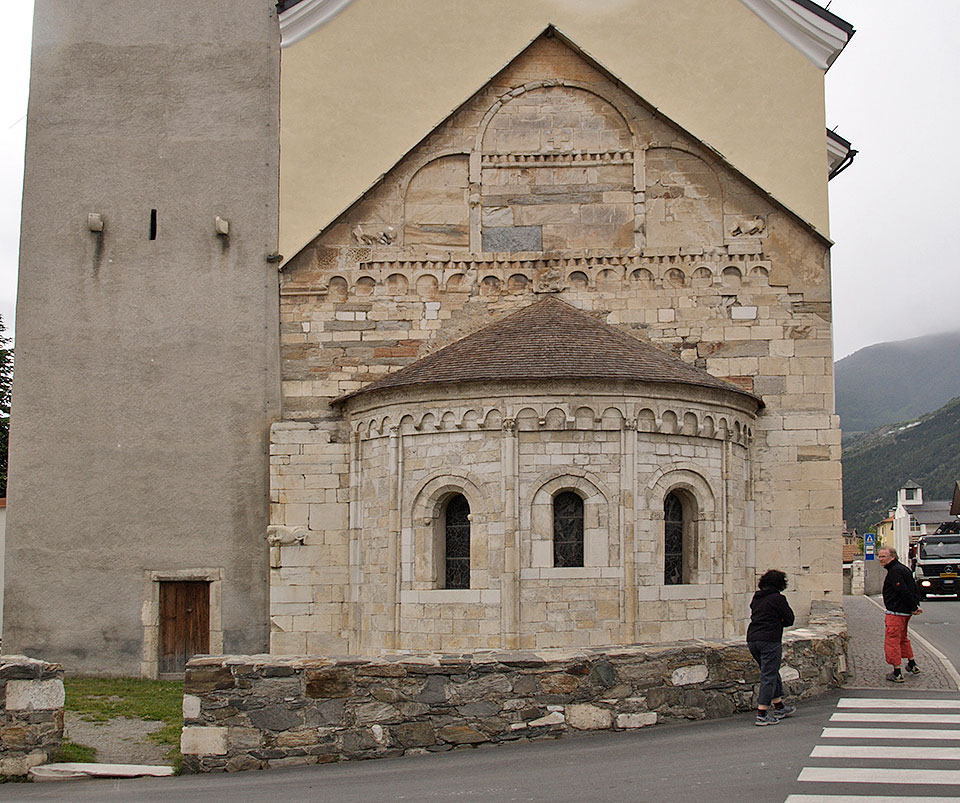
75,770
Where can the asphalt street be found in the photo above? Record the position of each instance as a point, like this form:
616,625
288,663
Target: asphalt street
720,760
940,625
871,742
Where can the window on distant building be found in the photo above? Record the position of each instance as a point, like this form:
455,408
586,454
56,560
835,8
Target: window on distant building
914,525
910,493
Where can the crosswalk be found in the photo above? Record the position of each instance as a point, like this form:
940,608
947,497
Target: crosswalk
885,750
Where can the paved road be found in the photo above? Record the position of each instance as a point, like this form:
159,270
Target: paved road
869,745
940,625
722,760
874,746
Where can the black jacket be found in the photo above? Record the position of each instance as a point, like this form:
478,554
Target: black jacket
769,614
900,594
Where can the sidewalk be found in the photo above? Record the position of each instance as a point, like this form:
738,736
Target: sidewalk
867,669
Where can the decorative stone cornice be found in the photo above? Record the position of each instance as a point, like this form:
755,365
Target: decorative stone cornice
815,32
306,16
556,159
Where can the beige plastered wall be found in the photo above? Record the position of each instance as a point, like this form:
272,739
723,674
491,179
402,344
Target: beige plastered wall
361,90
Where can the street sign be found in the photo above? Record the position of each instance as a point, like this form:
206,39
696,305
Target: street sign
869,542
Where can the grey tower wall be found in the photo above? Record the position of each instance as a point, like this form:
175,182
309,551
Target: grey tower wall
146,374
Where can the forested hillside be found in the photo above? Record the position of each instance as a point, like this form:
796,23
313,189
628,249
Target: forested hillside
877,464
899,381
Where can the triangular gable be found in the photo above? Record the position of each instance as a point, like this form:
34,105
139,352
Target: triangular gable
359,92
633,141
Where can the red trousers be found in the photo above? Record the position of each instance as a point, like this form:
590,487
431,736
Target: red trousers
896,644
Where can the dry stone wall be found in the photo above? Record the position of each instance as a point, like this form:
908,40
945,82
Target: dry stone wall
257,712
31,713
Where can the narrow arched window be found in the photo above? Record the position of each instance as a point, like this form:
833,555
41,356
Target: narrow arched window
456,530
673,562
567,529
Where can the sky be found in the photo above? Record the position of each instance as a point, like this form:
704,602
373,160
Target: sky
891,93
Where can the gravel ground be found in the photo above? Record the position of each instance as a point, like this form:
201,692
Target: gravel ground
120,740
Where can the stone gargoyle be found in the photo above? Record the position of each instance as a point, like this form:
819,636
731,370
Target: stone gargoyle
281,535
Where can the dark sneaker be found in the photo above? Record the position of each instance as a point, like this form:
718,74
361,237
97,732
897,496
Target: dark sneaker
766,719
913,669
895,677
785,711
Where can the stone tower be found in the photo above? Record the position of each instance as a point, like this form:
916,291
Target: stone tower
146,339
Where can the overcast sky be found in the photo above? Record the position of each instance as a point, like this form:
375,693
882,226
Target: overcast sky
892,93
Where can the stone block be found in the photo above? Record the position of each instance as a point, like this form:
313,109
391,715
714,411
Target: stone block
512,238
553,718
413,734
333,682
203,741
588,717
637,720
191,706
685,675
461,734
34,695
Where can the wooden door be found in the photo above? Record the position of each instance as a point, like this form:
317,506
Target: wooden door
184,623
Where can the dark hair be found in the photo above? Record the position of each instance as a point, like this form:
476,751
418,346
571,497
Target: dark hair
773,578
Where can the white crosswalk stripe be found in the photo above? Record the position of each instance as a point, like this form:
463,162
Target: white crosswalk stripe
851,764
921,718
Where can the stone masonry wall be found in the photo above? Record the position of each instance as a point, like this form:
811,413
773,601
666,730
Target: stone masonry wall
555,179
31,713
257,712
621,452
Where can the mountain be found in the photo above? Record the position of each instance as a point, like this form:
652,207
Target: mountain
877,464
897,381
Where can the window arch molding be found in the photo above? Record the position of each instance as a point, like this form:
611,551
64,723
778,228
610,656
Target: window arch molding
701,530
600,526
423,538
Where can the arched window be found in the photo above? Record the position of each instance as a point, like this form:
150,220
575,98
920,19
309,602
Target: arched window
456,531
567,529
674,565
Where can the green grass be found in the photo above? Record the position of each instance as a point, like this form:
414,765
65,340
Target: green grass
101,699
71,752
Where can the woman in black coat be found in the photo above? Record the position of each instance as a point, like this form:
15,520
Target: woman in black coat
769,614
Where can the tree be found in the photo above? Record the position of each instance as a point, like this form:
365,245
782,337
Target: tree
6,380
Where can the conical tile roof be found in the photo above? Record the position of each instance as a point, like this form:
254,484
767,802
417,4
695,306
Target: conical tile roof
549,340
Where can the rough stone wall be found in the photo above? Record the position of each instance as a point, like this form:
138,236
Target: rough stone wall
523,191
258,711
31,713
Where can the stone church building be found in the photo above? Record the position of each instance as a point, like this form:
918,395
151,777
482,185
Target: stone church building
345,327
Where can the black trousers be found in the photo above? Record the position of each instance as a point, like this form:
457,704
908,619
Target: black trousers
768,654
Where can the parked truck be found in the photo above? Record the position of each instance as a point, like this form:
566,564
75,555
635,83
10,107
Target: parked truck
937,568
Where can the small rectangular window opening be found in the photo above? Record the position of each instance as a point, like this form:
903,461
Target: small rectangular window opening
153,224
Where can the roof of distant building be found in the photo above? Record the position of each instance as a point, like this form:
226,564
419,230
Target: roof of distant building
550,340
932,512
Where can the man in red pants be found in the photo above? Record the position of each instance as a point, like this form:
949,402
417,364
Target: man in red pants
901,599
